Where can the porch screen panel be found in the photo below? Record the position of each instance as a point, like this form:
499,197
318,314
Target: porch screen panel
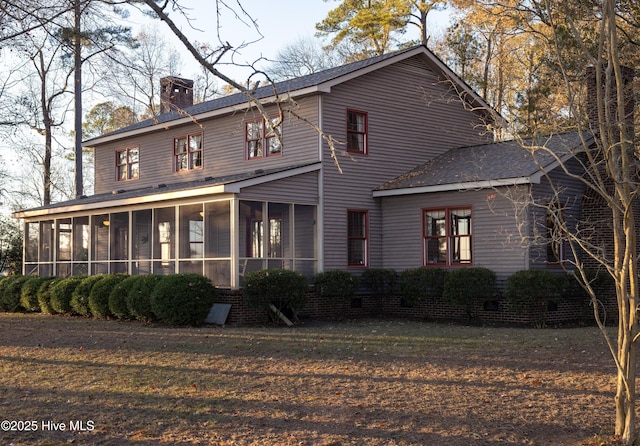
80,246
251,229
32,232
279,241
164,240
141,248
218,229
218,242
100,237
191,232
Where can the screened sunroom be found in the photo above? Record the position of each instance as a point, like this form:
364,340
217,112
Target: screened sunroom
222,239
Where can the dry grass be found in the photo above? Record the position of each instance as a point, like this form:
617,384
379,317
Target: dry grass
364,382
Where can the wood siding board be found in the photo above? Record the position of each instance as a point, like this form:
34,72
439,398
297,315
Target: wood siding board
411,120
495,237
223,150
298,189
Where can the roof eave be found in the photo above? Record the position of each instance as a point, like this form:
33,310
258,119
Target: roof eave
452,187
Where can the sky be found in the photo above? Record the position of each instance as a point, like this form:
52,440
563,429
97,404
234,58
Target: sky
279,22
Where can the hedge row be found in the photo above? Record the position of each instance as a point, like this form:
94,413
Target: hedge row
180,299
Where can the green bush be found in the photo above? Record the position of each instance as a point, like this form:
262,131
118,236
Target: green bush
118,297
139,297
336,283
466,286
29,294
286,290
44,296
379,281
420,284
80,297
532,290
99,295
61,292
183,299
12,289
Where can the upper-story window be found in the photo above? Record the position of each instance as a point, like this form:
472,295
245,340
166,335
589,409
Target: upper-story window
188,152
262,139
127,164
357,132
447,237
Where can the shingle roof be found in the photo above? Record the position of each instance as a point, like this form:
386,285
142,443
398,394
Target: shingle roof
489,162
106,198
266,91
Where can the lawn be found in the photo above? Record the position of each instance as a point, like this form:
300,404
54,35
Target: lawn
364,382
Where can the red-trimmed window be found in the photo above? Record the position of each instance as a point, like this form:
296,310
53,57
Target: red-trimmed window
357,132
447,236
358,238
187,152
262,139
127,164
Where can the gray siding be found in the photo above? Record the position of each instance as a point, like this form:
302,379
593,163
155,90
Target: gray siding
495,234
301,189
413,116
223,150
556,186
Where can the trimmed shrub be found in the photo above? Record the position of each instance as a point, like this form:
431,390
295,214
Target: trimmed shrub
467,286
12,289
286,290
419,284
80,297
61,292
139,298
381,283
532,290
337,284
29,294
44,296
183,299
118,297
99,295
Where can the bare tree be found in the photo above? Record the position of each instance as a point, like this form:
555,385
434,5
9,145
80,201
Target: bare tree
304,56
608,171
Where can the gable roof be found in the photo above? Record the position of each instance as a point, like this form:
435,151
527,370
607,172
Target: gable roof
487,165
321,81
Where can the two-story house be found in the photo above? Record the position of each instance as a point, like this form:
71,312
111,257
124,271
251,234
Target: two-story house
213,188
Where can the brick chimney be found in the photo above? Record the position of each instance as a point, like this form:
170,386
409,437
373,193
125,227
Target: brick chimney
175,93
611,102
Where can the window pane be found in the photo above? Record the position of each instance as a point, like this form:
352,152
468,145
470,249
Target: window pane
182,162
254,149
181,145
357,224
254,130
122,157
436,250
195,142
196,159
357,252
356,122
460,221
435,224
133,155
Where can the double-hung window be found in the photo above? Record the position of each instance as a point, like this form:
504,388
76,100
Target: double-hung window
262,138
447,236
127,164
187,152
357,132
357,238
